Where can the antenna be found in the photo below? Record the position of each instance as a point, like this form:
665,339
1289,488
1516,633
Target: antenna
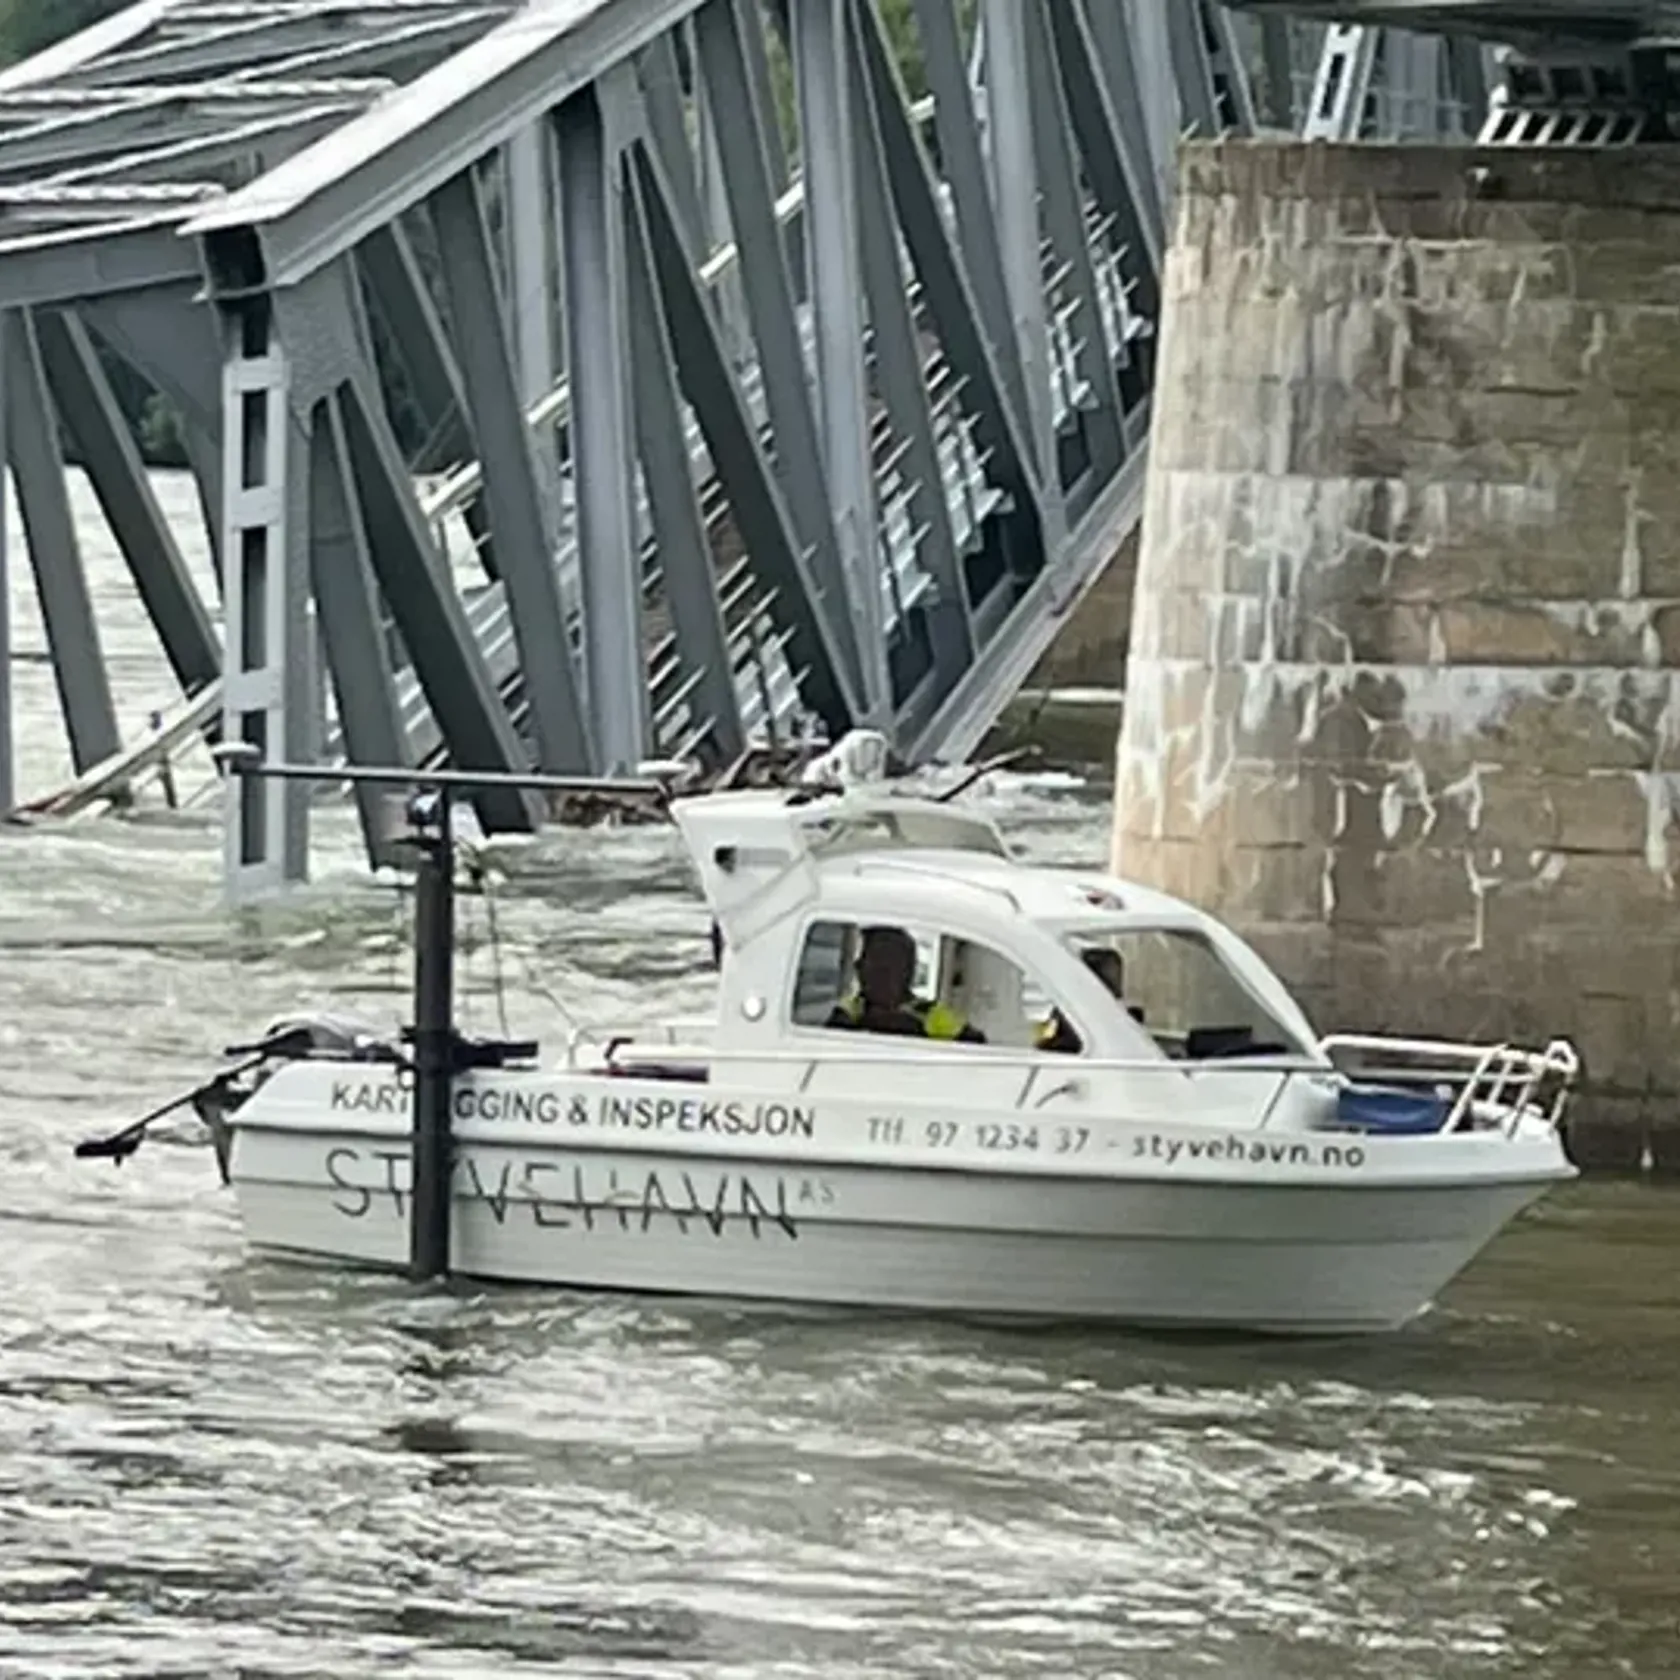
858,759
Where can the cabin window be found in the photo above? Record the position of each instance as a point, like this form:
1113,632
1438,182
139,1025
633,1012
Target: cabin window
825,964
1178,987
975,993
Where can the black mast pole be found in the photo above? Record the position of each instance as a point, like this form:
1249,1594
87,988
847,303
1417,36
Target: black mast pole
432,1147
431,1142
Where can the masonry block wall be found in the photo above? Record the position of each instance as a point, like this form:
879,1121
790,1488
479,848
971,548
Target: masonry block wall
1403,700
1089,651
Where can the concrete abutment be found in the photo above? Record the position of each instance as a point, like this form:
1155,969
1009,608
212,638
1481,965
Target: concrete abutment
1403,697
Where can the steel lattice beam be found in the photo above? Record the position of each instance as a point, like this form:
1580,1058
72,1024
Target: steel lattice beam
63,266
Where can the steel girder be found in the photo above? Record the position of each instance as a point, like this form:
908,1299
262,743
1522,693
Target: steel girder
1530,24
1374,82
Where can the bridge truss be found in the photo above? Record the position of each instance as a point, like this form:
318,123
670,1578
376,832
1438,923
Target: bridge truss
575,382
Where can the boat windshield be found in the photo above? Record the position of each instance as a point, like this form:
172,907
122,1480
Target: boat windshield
1180,989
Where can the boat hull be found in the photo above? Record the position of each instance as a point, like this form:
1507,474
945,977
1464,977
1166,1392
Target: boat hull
1134,1250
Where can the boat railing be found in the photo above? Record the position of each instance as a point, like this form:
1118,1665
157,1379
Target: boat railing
1042,1077
1498,1081
1504,1080
689,1032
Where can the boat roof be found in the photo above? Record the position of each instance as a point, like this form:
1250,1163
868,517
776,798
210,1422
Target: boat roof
760,853
1040,893
803,823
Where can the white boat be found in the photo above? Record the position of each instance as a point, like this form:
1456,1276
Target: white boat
1195,1155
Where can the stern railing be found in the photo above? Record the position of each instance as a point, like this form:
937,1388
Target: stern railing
1503,1081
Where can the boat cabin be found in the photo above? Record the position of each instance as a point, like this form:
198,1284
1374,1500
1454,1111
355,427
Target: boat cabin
1003,957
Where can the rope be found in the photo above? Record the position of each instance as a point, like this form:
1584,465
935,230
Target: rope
399,945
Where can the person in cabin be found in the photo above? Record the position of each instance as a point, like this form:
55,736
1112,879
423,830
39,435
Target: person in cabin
882,1000
1106,963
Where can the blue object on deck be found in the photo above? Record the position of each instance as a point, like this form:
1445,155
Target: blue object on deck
1381,1108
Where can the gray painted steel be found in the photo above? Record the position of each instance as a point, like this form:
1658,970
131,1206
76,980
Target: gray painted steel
348,611
678,522
84,688
821,52
768,289
90,414
592,245
524,543
1527,23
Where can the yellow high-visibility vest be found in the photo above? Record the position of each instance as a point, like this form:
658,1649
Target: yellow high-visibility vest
934,1019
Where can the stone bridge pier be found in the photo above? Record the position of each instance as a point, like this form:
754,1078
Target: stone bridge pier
1404,686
